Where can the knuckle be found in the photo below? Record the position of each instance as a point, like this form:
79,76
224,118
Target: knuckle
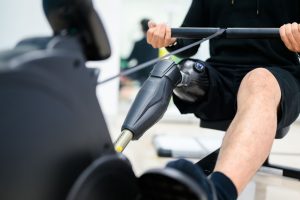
282,27
150,32
289,32
282,31
156,34
162,25
161,37
295,29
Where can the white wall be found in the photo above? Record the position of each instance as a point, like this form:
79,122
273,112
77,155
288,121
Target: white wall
21,19
108,93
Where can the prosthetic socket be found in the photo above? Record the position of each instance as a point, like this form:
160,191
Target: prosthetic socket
194,83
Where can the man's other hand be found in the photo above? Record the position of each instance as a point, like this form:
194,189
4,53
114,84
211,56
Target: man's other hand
290,35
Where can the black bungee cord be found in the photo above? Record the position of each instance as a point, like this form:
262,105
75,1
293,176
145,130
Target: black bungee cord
154,61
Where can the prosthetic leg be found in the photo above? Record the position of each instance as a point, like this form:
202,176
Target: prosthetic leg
188,79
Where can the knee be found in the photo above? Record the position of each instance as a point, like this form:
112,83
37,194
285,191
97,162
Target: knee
261,82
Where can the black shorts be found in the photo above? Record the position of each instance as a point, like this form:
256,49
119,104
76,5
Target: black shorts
220,104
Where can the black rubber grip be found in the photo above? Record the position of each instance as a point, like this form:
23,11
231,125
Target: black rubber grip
230,33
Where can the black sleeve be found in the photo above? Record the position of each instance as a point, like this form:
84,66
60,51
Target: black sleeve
194,18
298,11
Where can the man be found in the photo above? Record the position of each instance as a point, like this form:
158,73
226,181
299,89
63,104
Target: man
253,82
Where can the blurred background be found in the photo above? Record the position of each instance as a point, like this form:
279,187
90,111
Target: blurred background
122,19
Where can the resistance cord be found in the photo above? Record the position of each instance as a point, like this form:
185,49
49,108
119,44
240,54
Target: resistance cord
154,61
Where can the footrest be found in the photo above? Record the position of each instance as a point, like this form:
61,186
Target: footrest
169,184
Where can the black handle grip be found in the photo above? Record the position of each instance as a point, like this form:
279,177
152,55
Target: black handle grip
230,33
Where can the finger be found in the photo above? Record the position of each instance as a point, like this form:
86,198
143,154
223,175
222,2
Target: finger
162,35
150,34
151,24
159,35
284,37
290,36
296,35
168,40
154,37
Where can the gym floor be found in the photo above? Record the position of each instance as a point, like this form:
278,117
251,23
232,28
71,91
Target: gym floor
266,185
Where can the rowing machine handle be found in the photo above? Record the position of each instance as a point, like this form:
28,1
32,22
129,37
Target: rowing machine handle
229,33
153,98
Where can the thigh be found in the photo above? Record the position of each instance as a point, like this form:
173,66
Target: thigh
290,96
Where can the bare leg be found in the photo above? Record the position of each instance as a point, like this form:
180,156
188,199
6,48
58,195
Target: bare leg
249,138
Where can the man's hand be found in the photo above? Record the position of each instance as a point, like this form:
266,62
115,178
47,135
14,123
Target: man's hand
290,35
159,35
